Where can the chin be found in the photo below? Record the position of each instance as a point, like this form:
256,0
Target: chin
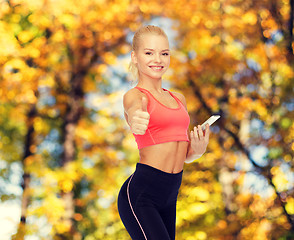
156,74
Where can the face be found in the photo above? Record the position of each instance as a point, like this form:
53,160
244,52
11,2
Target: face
153,56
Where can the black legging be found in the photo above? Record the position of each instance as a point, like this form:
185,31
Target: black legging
147,203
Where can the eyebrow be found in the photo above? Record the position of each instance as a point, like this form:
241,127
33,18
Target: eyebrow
150,49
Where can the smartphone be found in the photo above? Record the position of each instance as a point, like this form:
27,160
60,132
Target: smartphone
210,121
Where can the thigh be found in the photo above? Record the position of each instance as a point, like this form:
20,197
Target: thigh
139,213
152,223
130,222
168,216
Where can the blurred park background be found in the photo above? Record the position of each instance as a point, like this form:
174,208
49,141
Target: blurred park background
65,148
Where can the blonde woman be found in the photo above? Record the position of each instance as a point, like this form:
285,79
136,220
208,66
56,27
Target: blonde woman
159,122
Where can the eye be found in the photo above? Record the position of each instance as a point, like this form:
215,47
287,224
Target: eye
165,54
148,53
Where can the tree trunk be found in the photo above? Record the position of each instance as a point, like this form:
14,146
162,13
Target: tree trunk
291,37
71,119
26,177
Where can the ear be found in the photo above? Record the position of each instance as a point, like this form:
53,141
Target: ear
134,57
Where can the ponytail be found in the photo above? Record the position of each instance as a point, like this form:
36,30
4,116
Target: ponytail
133,70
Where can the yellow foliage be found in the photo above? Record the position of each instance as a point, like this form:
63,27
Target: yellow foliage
47,81
109,58
32,52
198,193
280,180
68,20
87,134
25,36
235,50
101,68
240,107
62,227
195,19
50,178
89,84
266,80
9,45
41,126
260,109
244,199
200,235
222,224
58,36
228,142
290,205
15,63
65,185
288,157
198,208
49,203
229,22
222,34
249,18
208,160
257,230
285,71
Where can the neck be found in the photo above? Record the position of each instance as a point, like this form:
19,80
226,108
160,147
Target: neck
150,84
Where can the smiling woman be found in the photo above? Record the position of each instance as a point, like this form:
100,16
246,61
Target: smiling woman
152,56
142,48
159,122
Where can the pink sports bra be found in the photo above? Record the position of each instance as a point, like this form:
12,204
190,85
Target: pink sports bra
165,124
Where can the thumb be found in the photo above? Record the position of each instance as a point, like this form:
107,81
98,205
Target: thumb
144,104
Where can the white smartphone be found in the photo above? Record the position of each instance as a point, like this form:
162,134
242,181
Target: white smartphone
210,121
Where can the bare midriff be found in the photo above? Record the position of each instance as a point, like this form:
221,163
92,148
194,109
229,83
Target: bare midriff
168,157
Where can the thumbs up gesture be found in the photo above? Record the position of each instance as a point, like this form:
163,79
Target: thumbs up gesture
140,119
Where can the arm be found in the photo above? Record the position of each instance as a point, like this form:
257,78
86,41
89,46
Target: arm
135,111
198,138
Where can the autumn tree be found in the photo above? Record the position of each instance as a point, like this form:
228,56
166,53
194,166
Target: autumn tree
60,54
238,62
63,72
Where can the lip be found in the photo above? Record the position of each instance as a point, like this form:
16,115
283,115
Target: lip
156,68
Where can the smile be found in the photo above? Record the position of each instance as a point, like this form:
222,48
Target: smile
156,68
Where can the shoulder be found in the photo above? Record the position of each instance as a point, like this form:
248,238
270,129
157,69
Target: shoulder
132,96
181,97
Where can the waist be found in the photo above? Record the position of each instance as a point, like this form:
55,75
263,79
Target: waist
168,157
158,184
154,173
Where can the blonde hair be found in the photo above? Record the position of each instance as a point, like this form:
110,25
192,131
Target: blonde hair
136,42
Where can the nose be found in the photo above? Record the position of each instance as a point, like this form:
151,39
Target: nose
157,58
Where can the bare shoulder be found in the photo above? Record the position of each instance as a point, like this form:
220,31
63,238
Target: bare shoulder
132,97
181,97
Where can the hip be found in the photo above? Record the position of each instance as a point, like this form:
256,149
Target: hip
154,184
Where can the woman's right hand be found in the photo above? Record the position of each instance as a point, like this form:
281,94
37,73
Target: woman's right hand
139,119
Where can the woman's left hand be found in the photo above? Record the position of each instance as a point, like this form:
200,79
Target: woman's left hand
199,139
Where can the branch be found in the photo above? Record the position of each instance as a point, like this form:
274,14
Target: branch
291,21
265,171
288,33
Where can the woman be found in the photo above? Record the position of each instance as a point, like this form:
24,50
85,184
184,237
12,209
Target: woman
159,121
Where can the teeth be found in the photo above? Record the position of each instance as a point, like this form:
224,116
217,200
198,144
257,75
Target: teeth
157,68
